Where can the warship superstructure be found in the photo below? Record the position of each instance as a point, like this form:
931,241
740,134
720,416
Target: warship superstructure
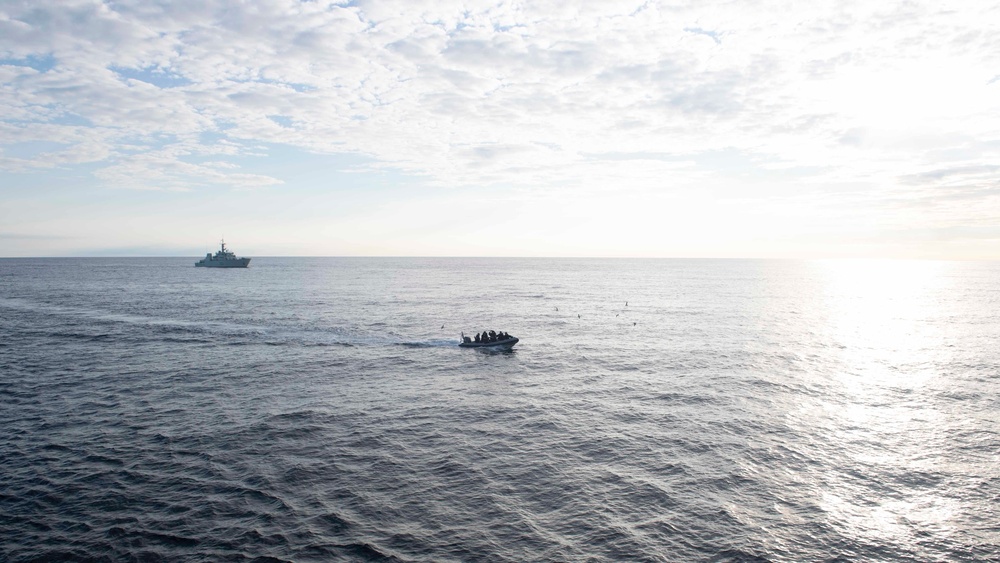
224,258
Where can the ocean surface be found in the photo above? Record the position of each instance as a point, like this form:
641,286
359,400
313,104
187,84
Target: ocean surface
319,409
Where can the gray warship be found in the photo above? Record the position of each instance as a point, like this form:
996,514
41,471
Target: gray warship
224,258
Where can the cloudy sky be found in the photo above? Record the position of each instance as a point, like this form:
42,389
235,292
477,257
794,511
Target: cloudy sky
555,128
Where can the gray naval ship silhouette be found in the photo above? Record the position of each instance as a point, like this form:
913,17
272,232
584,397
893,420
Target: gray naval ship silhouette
223,258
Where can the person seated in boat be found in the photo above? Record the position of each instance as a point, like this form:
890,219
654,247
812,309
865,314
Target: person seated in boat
493,336
504,336
466,339
477,337
486,337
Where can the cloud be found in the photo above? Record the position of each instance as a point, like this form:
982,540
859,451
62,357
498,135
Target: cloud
504,93
171,168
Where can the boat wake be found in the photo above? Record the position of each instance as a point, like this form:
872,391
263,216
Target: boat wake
437,343
107,325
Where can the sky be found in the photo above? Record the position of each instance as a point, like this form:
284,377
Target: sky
742,129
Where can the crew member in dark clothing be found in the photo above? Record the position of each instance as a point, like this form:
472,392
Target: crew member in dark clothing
477,337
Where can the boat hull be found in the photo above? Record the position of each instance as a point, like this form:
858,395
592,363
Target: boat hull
506,344
238,263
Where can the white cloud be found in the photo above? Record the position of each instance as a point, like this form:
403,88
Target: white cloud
536,94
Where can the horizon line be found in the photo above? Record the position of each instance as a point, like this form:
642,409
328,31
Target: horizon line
790,259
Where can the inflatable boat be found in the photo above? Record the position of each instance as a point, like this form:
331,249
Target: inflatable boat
505,344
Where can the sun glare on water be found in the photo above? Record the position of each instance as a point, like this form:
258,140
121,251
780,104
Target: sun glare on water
885,319
882,314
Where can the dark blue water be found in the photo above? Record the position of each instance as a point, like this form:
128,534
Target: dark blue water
316,410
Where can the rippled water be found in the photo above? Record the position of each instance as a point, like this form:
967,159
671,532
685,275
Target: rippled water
319,409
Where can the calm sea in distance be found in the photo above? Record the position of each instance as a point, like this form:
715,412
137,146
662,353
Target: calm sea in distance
319,409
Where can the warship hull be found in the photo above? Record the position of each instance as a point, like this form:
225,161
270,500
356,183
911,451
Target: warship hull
239,263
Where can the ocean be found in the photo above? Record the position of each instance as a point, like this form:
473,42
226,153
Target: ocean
319,409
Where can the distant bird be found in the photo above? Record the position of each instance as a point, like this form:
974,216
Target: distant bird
578,316
557,308
633,324
616,314
626,303
442,326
